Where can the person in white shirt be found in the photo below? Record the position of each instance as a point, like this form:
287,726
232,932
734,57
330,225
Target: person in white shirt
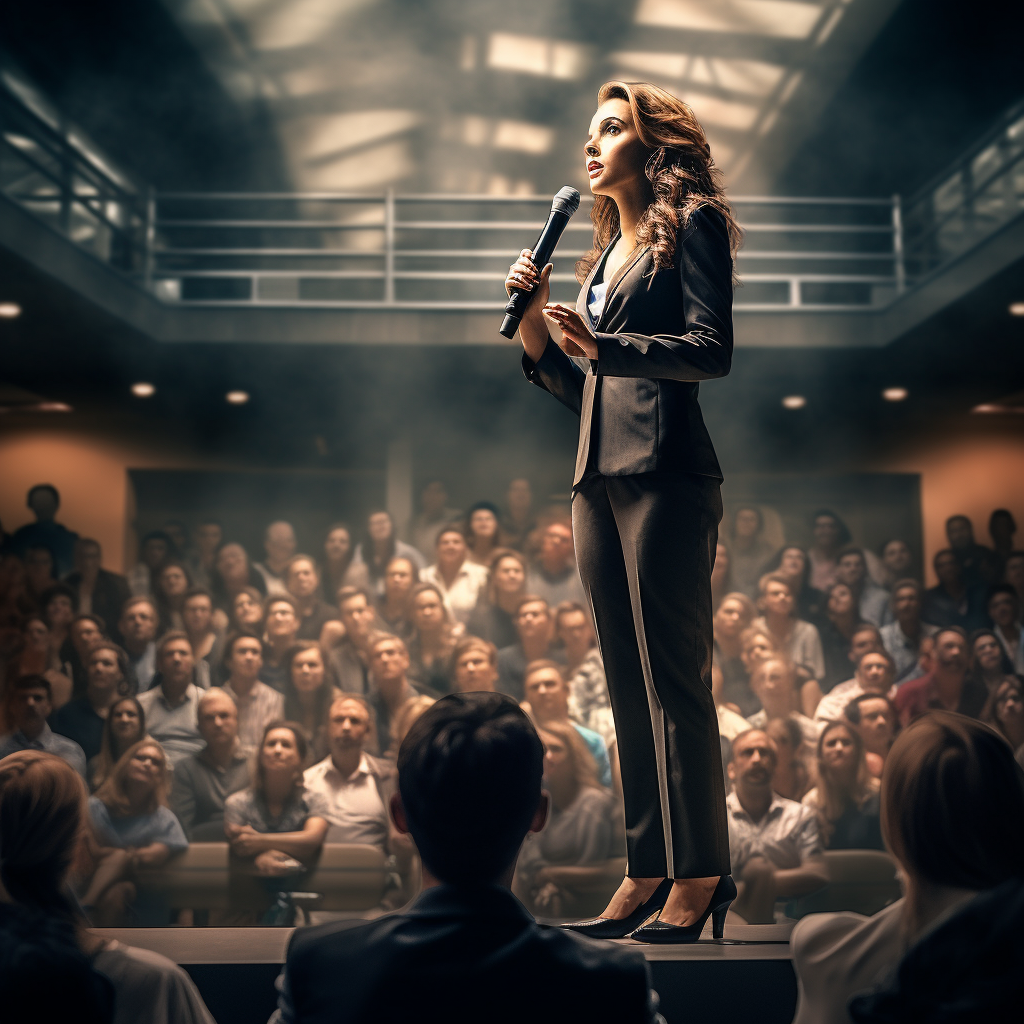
257,703
902,638
774,685
172,707
280,544
459,580
874,674
797,639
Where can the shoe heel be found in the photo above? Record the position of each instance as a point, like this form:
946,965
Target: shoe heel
718,920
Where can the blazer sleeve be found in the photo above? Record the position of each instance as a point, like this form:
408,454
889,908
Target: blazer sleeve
704,351
557,374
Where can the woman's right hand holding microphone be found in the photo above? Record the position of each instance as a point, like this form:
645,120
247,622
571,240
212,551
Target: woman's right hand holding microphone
523,275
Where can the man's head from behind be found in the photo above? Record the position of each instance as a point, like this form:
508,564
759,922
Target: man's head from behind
469,775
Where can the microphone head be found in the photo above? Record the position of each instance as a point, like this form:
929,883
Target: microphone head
567,201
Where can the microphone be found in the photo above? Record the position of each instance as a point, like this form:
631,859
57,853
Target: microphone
563,206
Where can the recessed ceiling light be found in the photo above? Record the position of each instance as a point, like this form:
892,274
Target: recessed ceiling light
1017,309
237,397
143,389
794,401
9,310
895,394
52,407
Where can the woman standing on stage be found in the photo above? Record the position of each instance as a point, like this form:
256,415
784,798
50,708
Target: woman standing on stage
653,318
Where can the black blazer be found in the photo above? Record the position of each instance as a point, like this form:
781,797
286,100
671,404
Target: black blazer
660,333
460,955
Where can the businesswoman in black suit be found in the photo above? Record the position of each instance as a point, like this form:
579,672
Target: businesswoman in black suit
653,318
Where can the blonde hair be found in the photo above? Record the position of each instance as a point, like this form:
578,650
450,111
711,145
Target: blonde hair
113,792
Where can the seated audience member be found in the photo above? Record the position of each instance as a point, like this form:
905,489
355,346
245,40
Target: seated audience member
730,723
133,828
41,579
138,628
433,515
877,722
519,520
340,570
1013,574
246,612
233,573
281,629
33,656
109,677
836,627
897,563
379,545
734,614
492,618
459,580
309,694
57,605
534,629
349,658
392,689
302,582
269,821
29,705
978,564
749,549
792,778
435,634
84,631
547,696
792,637
351,789
554,575
872,601
1001,528
874,674
721,574
774,685
125,725
755,646
209,535
845,797
954,822
949,685
953,602
474,666
831,535
42,823
97,590
902,638
44,501
483,533
990,664
567,864
279,545
257,703
400,576
1004,611
470,777
584,670
774,843
207,643
155,549
1005,713
171,584
172,706
203,781
407,716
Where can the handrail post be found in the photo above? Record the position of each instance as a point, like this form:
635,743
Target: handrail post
899,263
389,246
149,239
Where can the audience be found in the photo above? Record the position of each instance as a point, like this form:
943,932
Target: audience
874,674
830,535
871,600
44,501
125,725
400,577
1005,713
897,563
953,601
207,642
755,646
949,685
209,536
876,720
1014,574
774,843
138,628
246,612
281,629
554,576
203,781
233,573
279,545
29,705
34,655
154,550
172,706
170,586
84,631
340,569
459,580
379,546
793,637
535,640
950,949
1004,609
584,670
256,702
902,637
836,628
978,564
483,532
474,666
435,635
749,549
1001,528
734,614
519,521
721,574
96,589
990,664
391,690
794,563
433,515
845,797
302,583
492,618
774,684
349,658
309,694
792,779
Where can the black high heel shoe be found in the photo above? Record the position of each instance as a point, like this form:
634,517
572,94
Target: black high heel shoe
620,927
718,907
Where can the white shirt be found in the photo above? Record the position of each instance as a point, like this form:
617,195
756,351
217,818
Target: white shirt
832,707
811,729
352,804
255,711
787,836
461,597
803,647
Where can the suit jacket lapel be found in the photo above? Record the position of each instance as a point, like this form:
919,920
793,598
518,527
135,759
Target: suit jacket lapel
581,299
620,275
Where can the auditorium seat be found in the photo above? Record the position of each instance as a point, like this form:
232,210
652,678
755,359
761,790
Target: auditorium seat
861,881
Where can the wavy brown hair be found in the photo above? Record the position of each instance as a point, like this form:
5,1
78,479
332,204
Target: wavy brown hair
680,169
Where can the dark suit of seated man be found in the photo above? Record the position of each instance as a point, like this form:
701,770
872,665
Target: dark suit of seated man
469,779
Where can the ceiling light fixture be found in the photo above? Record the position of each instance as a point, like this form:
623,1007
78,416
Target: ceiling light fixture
9,310
237,397
1017,309
895,394
794,402
53,407
143,389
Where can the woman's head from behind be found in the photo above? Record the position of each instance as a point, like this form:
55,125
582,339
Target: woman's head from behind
953,803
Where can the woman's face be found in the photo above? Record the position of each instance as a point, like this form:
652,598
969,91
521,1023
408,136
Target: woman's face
173,581
280,752
1010,705
232,563
556,758
37,635
428,612
757,649
60,611
308,671
838,750
248,612
125,723
379,526
509,576
988,653
792,563
721,568
103,671
777,598
146,766
483,523
337,544
398,578
840,600
613,154
730,619
747,523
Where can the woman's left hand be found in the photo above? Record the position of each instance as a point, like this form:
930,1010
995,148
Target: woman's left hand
245,844
577,337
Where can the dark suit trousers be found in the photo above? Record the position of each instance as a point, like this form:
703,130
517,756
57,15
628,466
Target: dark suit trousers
645,546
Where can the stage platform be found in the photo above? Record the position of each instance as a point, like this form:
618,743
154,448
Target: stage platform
747,979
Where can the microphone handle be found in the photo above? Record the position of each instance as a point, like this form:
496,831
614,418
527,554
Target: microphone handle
542,250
